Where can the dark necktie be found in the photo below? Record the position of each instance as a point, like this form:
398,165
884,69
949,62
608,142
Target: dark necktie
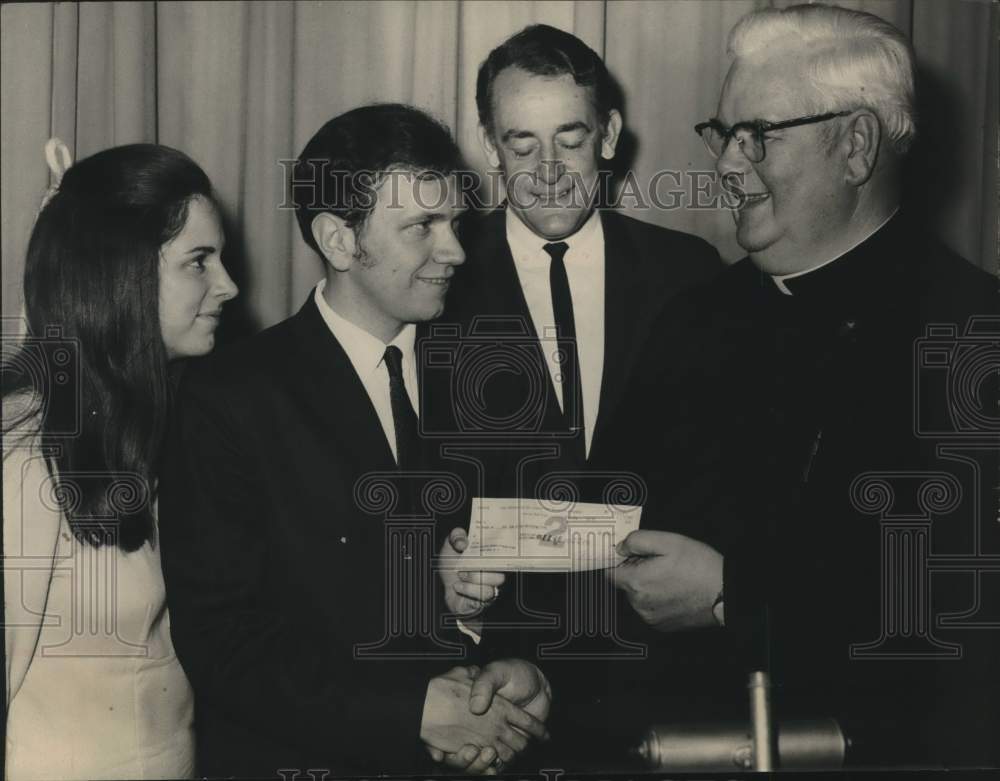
569,368
404,419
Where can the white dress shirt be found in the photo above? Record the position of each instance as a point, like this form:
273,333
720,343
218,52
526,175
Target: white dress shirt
366,354
585,269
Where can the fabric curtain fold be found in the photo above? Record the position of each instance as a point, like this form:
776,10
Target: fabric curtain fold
241,86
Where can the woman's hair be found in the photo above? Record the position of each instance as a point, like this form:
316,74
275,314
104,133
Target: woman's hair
94,358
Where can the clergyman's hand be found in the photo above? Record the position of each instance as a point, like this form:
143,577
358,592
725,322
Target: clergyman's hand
670,580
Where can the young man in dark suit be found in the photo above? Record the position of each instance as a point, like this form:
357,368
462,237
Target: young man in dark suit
840,385
567,293
297,506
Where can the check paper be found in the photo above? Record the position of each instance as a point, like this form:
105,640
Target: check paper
517,535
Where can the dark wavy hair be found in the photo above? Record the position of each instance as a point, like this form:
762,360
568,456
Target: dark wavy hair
94,360
340,167
546,51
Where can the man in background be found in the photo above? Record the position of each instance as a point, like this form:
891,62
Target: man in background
566,293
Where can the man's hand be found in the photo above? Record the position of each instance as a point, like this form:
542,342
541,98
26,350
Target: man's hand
467,594
469,759
513,679
516,680
671,580
449,727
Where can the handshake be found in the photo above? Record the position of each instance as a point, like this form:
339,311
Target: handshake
476,721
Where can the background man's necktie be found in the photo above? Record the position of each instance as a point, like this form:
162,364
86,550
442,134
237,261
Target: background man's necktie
403,417
562,308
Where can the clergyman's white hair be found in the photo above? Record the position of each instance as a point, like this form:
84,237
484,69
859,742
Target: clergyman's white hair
857,60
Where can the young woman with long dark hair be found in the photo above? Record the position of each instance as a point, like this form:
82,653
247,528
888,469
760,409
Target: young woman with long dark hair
123,275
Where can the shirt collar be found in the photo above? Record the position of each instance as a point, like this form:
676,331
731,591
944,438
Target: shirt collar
780,279
526,245
364,350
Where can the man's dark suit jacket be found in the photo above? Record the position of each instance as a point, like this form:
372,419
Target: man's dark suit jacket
645,267
278,565
794,398
494,404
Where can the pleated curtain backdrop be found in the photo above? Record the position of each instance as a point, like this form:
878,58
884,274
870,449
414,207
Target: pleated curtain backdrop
241,86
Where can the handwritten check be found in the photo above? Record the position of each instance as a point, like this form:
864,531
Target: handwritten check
517,535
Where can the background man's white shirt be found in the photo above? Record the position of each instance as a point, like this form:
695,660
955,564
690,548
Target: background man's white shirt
585,269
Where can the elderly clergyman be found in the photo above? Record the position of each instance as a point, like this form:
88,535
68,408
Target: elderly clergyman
813,413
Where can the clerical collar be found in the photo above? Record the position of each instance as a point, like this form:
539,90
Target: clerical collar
780,279
525,243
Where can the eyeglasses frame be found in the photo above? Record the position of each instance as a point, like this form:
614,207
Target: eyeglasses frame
758,127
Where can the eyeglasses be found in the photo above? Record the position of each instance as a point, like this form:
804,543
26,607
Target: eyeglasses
750,135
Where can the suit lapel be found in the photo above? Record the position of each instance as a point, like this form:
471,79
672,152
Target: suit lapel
624,316
502,286
335,395
501,289
627,310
